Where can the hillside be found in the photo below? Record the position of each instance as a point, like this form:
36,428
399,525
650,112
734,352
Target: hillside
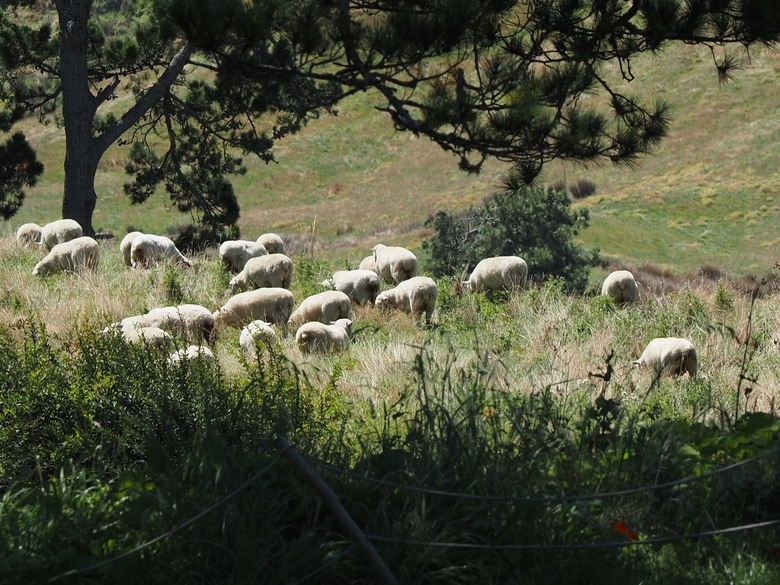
707,196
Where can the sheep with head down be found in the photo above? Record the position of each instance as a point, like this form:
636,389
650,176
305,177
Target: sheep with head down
149,249
361,286
621,286
394,263
673,355
71,256
190,321
416,296
273,243
254,333
325,307
28,235
270,271
273,305
497,273
316,337
59,232
235,253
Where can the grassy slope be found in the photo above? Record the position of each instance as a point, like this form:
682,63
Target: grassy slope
707,196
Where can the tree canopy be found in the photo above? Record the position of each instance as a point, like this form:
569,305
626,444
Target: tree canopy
213,82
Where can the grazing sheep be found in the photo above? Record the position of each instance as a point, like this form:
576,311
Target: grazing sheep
273,305
254,332
152,336
316,337
235,253
71,256
394,263
60,231
271,271
368,263
669,354
325,307
621,286
192,352
28,235
361,286
272,242
415,296
149,249
125,247
193,322
496,274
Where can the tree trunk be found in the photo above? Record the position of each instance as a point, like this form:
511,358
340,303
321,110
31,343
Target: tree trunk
82,151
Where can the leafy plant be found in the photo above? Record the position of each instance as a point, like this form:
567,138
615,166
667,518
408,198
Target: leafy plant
534,223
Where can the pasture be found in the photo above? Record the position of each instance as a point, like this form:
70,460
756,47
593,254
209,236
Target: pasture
523,408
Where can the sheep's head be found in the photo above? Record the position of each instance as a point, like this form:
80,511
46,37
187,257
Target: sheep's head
346,324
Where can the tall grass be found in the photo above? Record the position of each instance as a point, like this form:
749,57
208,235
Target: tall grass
468,450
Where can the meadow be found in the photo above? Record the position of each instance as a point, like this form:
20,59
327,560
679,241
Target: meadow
511,442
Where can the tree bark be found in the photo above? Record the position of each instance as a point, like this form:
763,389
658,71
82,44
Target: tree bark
82,153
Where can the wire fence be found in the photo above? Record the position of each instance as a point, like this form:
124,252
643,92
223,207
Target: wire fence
628,542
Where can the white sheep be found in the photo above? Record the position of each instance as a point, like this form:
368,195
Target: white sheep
60,231
192,352
28,234
272,242
258,331
270,271
152,336
368,263
193,322
325,307
273,305
235,253
415,296
316,337
125,247
669,354
621,286
361,286
71,256
498,273
394,263
149,249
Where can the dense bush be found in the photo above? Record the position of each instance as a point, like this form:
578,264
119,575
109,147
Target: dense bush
534,223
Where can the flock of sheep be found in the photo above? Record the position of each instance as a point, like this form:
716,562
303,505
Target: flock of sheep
261,300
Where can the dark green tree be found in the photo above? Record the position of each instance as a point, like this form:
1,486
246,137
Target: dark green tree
212,82
536,224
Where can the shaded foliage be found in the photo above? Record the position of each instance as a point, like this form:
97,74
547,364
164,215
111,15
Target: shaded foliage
534,223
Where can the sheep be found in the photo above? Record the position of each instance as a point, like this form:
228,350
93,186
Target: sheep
368,263
152,336
254,332
669,354
192,352
28,235
270,271
324,307
149,249
125,246
60,231
71,256
316,337
394,263
361,286
193,322
496,274
273,305
621,286
272,242
415,296
235,253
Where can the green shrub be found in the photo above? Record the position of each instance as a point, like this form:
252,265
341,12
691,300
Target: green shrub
536,224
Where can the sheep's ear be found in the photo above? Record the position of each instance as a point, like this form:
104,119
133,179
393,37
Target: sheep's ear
637,363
